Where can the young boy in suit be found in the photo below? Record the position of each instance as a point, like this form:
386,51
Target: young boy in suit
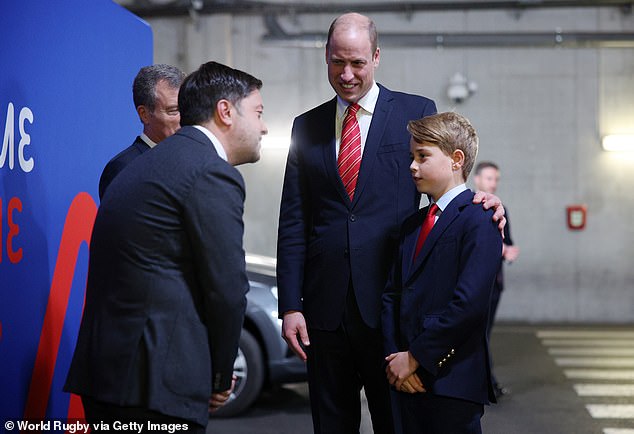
436,302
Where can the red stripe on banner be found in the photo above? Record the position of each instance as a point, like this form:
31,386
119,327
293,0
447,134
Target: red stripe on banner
75,411
77,229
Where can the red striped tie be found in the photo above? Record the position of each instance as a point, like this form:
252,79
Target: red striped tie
349,159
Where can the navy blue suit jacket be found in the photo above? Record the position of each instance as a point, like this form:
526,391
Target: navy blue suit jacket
437,306
119,162
326,241
165,296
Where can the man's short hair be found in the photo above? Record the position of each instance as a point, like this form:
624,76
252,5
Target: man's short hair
449,131
212,82
144,86
371,27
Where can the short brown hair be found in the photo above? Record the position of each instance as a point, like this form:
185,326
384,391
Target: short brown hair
449,131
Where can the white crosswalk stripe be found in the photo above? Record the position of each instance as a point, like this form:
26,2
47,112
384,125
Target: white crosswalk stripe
626,343
596,362
593,334
599,374
604,389
611,411
591,351
600,365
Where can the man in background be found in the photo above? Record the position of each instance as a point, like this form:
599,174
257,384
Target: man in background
486,178
166,290
155,95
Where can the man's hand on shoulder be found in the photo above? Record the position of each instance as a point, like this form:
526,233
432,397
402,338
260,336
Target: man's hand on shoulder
488,201
294,325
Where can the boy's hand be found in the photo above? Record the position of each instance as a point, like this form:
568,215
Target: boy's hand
412,384
492,201
400,366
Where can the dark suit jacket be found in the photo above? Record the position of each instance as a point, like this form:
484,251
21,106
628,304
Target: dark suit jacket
437,307
119,161
166,288
326,241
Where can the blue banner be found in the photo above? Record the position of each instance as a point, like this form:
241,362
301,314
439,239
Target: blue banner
65,109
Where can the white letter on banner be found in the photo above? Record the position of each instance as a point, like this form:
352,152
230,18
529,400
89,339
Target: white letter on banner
7,142
25,139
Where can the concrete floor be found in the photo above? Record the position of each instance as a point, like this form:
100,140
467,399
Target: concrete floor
562,379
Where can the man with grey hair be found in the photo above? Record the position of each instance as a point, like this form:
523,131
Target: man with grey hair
155,95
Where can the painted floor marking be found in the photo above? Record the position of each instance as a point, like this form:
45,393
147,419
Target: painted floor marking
591,351
599,374
595,362
576,334
604,389
627,343
611,411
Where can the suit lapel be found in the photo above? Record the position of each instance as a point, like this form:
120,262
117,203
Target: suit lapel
448,216
409,243
379,122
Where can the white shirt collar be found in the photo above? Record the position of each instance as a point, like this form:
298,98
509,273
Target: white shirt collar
147,140
367,102
214,140
449,196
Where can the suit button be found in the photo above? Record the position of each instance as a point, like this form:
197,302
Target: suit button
352,217
346,253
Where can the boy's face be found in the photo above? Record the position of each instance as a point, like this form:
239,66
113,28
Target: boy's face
431,169
487,180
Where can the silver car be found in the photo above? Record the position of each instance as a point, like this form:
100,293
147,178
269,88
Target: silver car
263,358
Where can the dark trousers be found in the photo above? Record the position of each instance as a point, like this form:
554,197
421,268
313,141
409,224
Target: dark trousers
340,363
425,413
104,414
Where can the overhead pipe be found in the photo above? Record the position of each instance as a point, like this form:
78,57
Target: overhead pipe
183,7
278,36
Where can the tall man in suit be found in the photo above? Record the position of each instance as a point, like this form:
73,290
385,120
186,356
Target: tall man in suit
336,242
155,95
165,298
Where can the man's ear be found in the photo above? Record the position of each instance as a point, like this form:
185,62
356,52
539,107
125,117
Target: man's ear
376,58
144,114
224,112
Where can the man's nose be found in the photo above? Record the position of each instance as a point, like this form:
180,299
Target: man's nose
347,74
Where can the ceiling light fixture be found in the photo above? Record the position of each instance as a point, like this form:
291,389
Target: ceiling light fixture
618,142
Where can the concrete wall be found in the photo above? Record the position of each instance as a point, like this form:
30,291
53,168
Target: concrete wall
540,113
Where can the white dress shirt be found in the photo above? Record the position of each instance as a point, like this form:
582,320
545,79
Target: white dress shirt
364,116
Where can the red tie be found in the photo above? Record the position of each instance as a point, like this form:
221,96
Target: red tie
425,229
349,159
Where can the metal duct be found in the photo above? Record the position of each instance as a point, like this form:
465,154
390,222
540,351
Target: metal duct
276,35
146,9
